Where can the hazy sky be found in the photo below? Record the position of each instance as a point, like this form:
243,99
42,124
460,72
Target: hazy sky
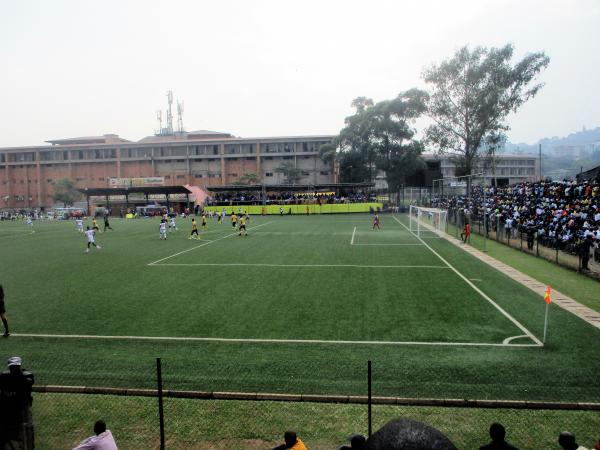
271,68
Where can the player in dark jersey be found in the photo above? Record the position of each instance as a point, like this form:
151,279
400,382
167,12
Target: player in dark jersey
106,224
3,313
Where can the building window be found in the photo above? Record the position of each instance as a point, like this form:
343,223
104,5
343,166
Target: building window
167,177
179,177
215,149
198,175
305,174
232,174
324,172
268,174
288,157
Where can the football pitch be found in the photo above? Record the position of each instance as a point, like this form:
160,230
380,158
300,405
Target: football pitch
299,305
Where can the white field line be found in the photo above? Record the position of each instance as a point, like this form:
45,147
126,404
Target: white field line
512,338
353,233
387,245
18,233
479,291
268,341
359,266
202,245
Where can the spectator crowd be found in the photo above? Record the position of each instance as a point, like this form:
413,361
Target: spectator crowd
560,214
289,198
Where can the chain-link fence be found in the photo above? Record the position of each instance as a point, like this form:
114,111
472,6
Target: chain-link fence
163,403
574,255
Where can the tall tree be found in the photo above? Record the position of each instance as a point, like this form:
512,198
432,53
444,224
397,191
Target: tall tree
65,191
291,174
380,136
472,93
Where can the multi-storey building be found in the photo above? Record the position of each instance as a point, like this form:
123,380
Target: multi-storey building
504,170
201,158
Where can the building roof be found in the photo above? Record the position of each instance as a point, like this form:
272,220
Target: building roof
104,139
286,187
102,192
185,136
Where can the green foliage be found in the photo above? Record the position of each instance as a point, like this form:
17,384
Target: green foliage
65,191
246,179
379,136
472,93
291,174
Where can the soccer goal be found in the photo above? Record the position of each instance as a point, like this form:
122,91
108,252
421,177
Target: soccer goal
427,222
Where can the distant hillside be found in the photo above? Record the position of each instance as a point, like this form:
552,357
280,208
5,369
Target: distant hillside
564,157
578,138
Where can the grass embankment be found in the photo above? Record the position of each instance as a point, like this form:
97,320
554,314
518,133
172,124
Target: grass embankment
198,424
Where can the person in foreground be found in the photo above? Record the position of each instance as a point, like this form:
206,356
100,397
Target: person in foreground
102,440
567,441
404,434
497,433
291,442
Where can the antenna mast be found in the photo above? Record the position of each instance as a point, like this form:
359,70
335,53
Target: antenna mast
170,113
179,116
159,118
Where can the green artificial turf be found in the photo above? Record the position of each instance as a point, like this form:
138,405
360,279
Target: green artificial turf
292,278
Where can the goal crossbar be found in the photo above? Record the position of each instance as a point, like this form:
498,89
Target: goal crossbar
427,222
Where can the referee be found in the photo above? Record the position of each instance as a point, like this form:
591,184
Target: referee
3,313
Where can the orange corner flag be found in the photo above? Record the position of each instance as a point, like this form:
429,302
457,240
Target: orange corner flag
547,297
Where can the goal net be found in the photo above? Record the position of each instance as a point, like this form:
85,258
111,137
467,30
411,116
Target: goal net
427,222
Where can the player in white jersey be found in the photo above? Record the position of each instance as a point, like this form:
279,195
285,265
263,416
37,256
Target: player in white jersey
79,223
90,239
162,230
172,224
223,215
29,221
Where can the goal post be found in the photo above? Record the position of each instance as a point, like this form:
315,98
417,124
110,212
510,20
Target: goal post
427,222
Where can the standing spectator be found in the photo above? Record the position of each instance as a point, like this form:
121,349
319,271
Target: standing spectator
567,441
102,440
16,429
497,433
3,313
585,247
465,232
291,442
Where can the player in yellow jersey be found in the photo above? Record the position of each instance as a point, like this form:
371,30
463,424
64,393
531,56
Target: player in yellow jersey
204,221
233,220
243,226
95,225
194,233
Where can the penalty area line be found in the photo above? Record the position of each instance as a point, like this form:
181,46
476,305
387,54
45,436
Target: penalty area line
202,245
476,289
359,266
273,341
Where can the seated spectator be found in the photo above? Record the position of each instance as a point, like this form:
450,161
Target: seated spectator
401,434
102,440
497,433
291,441
357,442
567,441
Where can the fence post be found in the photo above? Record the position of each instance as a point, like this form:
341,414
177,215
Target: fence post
369,397
161,416
521,232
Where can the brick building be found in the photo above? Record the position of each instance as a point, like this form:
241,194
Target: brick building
200,158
